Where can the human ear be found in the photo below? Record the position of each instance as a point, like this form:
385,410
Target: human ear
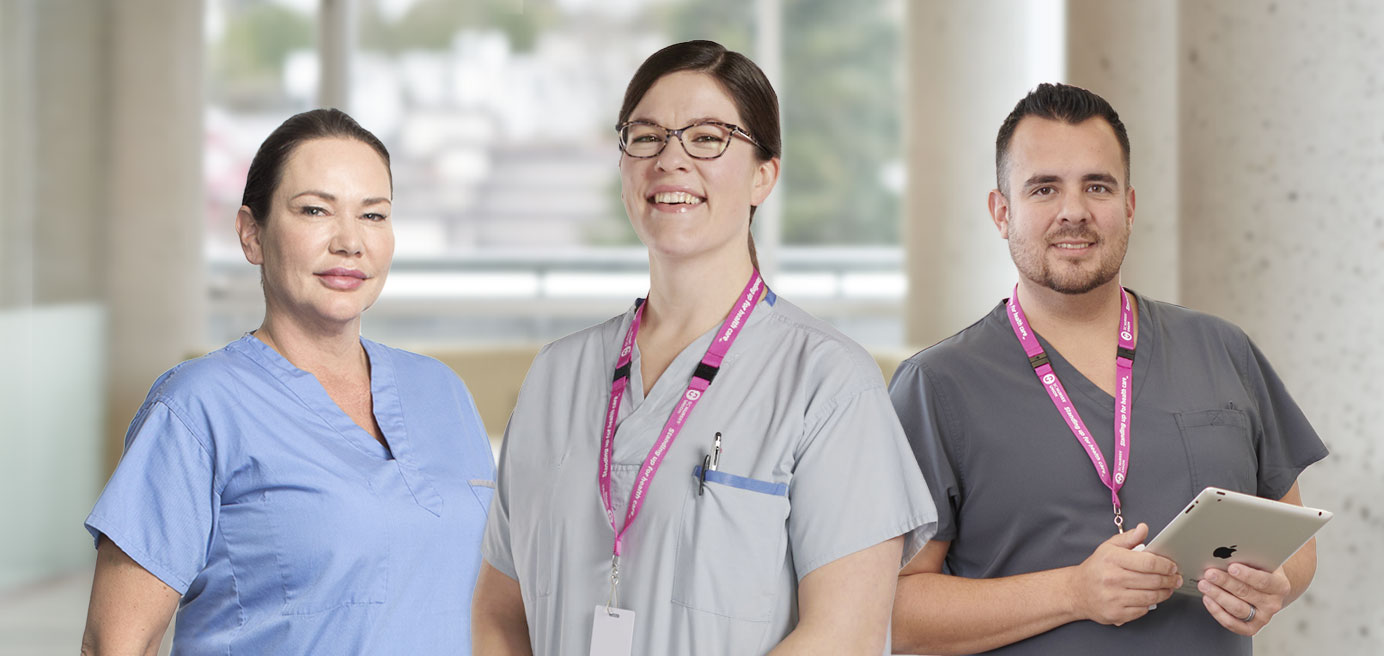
248,229
1129,208
999,212
765,177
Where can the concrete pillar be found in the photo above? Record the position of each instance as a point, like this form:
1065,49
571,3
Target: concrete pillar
52,337
18,107
1282,126
154,265
336,31
69,234
968,64
1126,51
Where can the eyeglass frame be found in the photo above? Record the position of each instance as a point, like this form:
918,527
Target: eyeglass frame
669,133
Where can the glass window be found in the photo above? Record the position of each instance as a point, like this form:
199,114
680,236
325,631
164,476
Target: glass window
261,67
499,118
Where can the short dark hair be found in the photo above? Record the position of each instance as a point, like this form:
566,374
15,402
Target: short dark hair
1057,102
266,169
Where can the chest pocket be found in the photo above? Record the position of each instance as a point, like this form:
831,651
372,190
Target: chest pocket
1220,449
733,545
484,489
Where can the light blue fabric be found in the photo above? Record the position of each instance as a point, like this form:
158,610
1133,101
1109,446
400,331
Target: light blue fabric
290,530
751,484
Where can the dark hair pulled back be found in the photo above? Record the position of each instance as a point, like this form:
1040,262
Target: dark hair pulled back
266,169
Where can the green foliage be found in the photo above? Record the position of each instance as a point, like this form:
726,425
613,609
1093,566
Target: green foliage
248,61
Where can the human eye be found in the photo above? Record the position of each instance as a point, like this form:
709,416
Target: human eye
1098,188
707,133
645,134
312,210
374,216
1043,190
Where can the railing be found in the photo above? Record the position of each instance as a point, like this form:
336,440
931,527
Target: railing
507,295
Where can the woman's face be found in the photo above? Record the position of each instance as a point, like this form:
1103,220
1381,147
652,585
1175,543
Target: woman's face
683,207
327,243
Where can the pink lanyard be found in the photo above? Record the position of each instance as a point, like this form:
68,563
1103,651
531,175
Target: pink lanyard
701,380
1124,373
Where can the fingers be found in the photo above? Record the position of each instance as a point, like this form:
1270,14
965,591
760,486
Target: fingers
1258,579
1131,538
1244,599
1264,590
1116,585
1216,605
1151,581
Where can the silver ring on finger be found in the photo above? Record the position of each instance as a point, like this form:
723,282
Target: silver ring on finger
1252,611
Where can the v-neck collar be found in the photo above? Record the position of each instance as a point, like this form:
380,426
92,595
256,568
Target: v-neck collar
685,360
1072,378
386,405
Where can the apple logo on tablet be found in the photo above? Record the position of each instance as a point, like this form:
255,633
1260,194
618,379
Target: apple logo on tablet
1224,552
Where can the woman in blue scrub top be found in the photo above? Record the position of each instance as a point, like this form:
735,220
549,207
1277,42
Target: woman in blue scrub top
303,490
744,452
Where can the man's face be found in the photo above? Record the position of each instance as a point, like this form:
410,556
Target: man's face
1069,209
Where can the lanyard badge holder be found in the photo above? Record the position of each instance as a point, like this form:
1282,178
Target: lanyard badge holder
612,630
1124,402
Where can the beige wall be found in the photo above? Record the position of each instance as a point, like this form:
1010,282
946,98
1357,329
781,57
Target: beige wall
100,243
1282,157
154,286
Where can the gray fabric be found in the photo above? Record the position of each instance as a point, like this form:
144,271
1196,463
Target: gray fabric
1016,493
797,403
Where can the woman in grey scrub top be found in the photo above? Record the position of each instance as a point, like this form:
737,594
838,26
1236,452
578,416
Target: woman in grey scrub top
774,514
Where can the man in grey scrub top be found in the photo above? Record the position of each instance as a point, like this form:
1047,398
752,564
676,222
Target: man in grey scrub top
1027,558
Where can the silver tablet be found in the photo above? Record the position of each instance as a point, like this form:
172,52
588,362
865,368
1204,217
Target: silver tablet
1220,527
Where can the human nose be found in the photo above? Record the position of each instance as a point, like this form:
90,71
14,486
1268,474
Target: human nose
346,238
673,158
1074,209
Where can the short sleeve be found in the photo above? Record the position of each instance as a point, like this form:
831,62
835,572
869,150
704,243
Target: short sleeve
160,505
922,411
1284,440
496,546
854,485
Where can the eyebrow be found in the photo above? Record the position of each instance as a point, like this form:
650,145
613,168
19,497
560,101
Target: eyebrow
700,119
1101,177
332,197
1047,178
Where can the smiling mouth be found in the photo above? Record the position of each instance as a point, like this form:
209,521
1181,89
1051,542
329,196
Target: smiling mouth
1073,246
676,198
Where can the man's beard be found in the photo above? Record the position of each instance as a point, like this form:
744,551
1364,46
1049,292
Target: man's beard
1070,280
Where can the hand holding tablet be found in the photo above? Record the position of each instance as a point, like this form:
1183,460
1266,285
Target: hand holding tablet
1221,527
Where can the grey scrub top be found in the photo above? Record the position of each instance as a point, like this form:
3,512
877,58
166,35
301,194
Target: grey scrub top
1017,493
814,467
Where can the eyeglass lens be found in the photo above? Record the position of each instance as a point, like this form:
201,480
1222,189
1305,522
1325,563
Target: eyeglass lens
703,140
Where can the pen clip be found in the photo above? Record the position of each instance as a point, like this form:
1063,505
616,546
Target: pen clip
716,452
701,485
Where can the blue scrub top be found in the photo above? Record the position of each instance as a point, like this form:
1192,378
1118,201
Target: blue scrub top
286,527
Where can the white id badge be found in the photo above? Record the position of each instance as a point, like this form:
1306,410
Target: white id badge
612,633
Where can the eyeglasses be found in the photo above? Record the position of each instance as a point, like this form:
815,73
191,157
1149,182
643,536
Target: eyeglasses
703,140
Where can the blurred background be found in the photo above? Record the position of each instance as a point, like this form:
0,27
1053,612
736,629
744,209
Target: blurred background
126,129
